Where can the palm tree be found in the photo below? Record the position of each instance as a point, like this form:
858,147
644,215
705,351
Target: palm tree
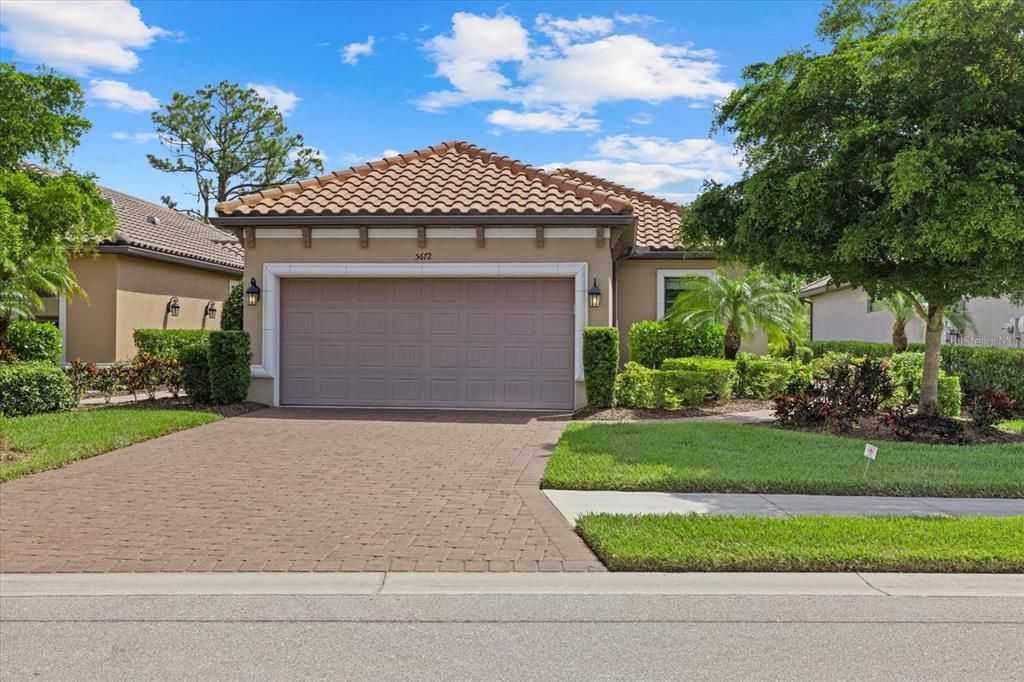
25,281
903,311
740,304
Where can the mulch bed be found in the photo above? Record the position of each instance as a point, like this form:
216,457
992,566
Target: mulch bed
616,414
931,431
180,404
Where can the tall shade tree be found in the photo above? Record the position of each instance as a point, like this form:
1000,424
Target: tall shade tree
44,216
739,304
231,142
892,162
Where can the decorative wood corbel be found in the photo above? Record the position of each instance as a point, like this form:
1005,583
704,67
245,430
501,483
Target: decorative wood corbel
421,237
364,237
307,237
540,237
600,237
480,237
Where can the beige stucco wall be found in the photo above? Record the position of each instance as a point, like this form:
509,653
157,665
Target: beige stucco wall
638,296
126,293
145,286
287,249
92,320
843,314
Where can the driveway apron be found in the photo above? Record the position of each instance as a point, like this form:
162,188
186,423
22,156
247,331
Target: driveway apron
291,489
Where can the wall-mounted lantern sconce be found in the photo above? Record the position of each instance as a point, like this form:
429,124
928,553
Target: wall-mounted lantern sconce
252,292
211,310
173,307
594,294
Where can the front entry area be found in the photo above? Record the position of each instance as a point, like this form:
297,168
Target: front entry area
424,342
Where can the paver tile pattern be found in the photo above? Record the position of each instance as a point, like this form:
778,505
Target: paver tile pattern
290,489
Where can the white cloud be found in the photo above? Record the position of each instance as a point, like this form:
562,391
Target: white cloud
542,121
493,59
672,169
78,36
135,138
564,31
642,119
470,57
642,20
284,100
120,95
351,53
389,152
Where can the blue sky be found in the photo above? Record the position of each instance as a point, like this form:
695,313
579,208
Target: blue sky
620,89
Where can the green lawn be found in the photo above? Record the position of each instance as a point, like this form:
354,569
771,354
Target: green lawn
805,543
737,458
52,440
1013,425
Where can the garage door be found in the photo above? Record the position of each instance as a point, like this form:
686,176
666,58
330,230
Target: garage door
477,343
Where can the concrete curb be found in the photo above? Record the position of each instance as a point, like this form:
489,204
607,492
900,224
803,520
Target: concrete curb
811,584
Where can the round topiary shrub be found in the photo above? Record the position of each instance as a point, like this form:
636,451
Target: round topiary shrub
31,387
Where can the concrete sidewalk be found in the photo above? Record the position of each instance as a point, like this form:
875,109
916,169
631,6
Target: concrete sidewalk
411,583
575,503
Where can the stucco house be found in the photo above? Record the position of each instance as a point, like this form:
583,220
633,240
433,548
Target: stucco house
161,270
842,312
446,277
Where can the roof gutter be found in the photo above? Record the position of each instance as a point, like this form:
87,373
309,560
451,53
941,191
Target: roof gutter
644,253
128,250
575,220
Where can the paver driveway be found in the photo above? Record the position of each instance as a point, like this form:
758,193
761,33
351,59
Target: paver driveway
297,489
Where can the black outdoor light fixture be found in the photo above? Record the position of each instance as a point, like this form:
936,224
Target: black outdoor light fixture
173,307
594,294
211,310
252,292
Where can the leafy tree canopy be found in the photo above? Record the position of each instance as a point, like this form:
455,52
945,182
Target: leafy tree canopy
231,142
893,162
44,216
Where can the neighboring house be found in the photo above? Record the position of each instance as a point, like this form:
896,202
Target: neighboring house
843,312
446,277
157,255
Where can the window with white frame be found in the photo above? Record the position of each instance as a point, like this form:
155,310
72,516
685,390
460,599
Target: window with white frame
669,287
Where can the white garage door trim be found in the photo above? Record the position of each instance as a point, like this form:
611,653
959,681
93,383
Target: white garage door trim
273,272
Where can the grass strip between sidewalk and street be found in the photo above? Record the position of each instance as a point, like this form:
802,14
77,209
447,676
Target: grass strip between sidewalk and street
741,458
48,441
676,542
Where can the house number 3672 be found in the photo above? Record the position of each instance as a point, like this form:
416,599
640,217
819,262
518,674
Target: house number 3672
423,255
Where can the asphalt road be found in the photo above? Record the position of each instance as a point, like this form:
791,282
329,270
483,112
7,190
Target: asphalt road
525,637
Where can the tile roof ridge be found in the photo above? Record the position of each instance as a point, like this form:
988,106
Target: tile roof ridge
628,191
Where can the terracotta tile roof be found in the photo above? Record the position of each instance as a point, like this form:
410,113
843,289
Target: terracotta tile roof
451,178
157,228
152,227
657,220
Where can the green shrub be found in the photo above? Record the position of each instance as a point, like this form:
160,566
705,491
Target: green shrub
950,396
166,343
31,387
906,371
700,364
195,372
82,376
234,304
229,357
30,341
981,368
650,342
854,348
600,363
634,386
691,388
761,377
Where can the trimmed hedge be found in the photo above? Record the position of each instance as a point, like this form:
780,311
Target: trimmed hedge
34,341
231,312
762,377
166,343
950,396
700,364
195,372
32,387
640,387
978,368
229,355
600,363
651,342
906,371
